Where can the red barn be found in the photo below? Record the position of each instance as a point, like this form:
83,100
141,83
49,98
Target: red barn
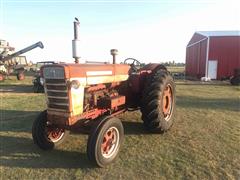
213,54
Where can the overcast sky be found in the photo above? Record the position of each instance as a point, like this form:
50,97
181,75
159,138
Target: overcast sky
151,31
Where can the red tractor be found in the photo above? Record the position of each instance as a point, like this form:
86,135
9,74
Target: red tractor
89,96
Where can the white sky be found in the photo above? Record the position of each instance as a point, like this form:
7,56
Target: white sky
157,40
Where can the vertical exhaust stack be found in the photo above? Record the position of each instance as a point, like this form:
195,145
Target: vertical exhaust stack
76,41
114,52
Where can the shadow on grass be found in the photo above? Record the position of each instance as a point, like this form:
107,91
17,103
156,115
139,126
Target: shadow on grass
21,152
134,128
17,121
16,88
208,103
21,121
14,115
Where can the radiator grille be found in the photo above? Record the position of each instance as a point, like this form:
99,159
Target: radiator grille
56,91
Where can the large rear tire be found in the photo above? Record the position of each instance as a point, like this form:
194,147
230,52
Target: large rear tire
2,77
20,76
158,102
45,136
105,141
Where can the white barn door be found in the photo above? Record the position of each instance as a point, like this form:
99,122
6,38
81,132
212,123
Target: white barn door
212,69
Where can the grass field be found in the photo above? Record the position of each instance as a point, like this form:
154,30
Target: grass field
176,69
202,144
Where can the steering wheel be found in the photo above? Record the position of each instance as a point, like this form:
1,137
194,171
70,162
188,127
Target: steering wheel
133,61
135,64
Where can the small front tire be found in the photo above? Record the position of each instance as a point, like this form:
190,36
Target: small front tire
20,76
104,142
45,136
2,77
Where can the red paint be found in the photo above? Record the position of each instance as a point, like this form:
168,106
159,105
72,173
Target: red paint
92,114
117,101
196,59
96,87
225,49
100,99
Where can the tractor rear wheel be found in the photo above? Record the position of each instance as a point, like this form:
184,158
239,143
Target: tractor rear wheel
104,141
158,102
2,77
45,136
20,76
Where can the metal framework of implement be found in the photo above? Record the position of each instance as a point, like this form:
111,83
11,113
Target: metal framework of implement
8,64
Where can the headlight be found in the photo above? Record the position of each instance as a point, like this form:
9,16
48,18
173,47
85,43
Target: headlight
74,84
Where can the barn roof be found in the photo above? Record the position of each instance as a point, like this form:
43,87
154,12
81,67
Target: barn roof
219,33
200,36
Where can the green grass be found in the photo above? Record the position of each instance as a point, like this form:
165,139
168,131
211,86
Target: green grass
176,69
12,80
202,144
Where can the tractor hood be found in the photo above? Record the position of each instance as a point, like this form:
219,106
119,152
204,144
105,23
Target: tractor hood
90,73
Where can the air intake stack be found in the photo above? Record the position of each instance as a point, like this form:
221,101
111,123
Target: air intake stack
114,52
76,41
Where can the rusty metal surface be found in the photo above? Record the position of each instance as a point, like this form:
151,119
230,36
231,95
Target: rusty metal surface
117,101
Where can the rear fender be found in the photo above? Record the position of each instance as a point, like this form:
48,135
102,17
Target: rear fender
153,67
137,80
146,73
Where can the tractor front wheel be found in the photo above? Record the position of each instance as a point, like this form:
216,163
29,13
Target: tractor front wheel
158,102
104,141
2,77
20,76
47,136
